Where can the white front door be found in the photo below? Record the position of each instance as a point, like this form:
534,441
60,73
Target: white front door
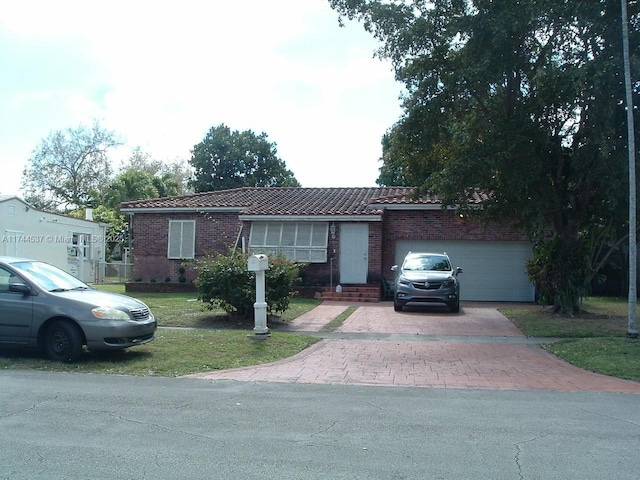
354,252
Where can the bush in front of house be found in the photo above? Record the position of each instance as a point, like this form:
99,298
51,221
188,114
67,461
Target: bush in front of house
225,282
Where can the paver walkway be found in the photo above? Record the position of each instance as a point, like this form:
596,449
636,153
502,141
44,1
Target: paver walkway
478,349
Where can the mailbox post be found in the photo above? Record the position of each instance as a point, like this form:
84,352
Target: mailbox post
259,264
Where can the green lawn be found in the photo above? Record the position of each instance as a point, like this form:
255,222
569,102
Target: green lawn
595,339
174,352
185,310
203,340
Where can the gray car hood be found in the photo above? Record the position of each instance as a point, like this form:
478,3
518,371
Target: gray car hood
416,275
97,298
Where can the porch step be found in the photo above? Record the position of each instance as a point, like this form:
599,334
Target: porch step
352,293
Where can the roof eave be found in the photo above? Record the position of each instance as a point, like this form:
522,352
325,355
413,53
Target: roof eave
411,206
133,210
312,218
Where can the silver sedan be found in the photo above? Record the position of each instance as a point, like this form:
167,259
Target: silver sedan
44,307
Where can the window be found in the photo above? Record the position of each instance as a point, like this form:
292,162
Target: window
300,242
182,239
82,241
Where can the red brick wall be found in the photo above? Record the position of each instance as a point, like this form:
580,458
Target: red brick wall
375,252
215,232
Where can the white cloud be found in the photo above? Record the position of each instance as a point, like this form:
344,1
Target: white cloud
162,74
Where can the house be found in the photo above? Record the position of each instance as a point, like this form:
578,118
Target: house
72,244
347,236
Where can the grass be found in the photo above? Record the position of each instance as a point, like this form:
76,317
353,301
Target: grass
338,321
185,310
175,352
595,340
195,340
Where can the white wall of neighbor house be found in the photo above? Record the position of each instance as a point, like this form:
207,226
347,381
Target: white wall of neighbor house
493,271
74,245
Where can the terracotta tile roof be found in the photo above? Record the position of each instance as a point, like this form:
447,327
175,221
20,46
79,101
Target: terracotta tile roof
288,201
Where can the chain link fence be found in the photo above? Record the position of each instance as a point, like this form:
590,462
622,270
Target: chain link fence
114,272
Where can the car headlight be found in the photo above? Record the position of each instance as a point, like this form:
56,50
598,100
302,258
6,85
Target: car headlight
109,313
404,281
450,282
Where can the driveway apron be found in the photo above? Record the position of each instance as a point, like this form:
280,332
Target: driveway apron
479,348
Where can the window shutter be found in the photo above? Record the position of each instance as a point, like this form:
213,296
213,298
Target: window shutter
188,239
182,239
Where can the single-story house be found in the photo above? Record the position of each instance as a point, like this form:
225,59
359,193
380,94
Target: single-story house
72,244
347,236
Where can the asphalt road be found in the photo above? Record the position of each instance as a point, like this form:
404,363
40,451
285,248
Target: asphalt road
77,426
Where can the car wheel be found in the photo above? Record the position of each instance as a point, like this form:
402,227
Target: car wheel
397,307
455,307
63,342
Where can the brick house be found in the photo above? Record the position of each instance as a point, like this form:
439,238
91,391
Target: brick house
347,236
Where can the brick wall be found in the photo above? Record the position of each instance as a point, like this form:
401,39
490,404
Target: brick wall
215,232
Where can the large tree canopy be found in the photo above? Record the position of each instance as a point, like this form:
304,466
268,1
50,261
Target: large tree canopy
169,178
521,100
142,177
69,169
226,159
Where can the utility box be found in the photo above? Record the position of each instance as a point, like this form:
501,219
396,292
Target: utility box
258,263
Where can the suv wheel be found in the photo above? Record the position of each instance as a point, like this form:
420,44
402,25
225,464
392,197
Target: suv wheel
455,306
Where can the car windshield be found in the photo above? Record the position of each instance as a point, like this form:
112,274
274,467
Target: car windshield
426,263
49,277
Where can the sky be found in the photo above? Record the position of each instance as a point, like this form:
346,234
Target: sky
161,74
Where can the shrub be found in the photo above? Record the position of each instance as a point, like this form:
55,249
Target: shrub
224,282
181,277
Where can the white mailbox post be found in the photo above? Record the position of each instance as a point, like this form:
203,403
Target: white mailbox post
259,264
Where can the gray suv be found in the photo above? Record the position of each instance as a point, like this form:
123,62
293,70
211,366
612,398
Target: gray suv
44,307
426,278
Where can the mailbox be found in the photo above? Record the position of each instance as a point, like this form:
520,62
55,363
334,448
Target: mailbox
258,263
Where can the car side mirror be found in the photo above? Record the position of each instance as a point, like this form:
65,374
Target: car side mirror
394,268
459,270
19,288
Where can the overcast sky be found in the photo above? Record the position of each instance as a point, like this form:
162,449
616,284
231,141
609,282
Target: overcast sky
161,74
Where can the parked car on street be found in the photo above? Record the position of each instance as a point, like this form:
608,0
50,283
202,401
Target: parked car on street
426,278
44,307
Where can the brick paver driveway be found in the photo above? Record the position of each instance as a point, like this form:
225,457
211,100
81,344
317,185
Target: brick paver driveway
478,348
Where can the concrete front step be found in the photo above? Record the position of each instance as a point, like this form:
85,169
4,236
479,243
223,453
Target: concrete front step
353,293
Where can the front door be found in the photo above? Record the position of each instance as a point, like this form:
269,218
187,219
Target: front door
354,252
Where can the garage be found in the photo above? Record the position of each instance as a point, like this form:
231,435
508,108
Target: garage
493,271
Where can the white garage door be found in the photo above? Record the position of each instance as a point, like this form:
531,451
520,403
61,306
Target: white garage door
493,271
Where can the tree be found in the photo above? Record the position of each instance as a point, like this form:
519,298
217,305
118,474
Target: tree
130,185
226,159
169,178
69,169
523,103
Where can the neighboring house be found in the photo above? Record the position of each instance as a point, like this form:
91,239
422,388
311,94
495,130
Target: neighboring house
346,235
74,245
